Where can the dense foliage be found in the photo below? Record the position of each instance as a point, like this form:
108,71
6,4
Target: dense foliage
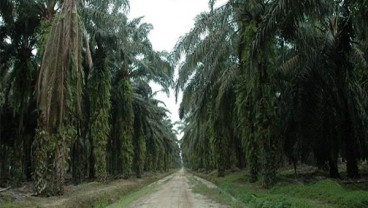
75,100
275,82
265,84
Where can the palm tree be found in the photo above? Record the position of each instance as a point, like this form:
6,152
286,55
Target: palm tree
59,91
207,77
331,36
100,81
134,61
295,80
19,68
79,95
308,31
153,132
256,93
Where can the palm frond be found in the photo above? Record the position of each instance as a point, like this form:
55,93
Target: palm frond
61,65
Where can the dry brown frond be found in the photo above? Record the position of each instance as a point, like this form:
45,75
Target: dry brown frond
59,83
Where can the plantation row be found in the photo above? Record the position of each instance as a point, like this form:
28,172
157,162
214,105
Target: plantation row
268,83
75,100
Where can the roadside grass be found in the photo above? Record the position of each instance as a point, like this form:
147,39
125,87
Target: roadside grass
129,198
214,194
86,195
315,192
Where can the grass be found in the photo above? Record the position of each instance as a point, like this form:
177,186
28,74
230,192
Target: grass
317,192
129,198
214,194
85,195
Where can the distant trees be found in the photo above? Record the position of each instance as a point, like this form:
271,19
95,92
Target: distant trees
291,84
75,97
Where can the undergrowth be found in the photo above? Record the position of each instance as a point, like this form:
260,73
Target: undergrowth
316,193
86,195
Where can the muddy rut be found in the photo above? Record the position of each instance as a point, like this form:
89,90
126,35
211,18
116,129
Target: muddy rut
175,191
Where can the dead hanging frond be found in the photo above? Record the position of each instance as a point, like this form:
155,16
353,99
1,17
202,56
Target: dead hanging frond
290,64
59,82
88,51
359,57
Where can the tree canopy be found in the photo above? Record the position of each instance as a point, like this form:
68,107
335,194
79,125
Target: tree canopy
265,84
275,81
75,95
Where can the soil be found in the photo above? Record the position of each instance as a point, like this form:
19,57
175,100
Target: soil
175,191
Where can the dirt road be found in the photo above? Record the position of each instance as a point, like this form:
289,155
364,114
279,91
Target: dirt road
175,192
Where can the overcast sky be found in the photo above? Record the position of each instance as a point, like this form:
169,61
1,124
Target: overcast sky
170,19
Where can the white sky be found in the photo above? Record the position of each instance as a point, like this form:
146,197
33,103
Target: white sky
170,19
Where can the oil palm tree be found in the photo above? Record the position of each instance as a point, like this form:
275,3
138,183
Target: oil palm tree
329,32
99,82
207,77
78,95
59,98
134,61
19,69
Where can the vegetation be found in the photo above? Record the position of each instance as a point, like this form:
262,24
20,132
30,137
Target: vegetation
94,194
323,192
215,194
271,83
75,97
128,199
266,84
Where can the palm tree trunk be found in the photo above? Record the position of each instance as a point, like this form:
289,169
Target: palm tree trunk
100,105
252,151
221,146
343,68
59,97
334,171
28,166
140,152
96,169
350,150
4,165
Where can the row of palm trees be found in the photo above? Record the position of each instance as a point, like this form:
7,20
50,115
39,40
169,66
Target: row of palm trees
266,82
75,100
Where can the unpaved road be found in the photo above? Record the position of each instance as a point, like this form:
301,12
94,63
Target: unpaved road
175,192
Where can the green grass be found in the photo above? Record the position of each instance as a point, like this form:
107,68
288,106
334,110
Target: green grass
214,194
322,193
127,199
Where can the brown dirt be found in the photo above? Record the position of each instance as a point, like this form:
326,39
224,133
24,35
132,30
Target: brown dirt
176,192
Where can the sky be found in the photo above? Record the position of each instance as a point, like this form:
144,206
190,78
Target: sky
170,19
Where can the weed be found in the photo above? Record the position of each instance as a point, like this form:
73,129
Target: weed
323,193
